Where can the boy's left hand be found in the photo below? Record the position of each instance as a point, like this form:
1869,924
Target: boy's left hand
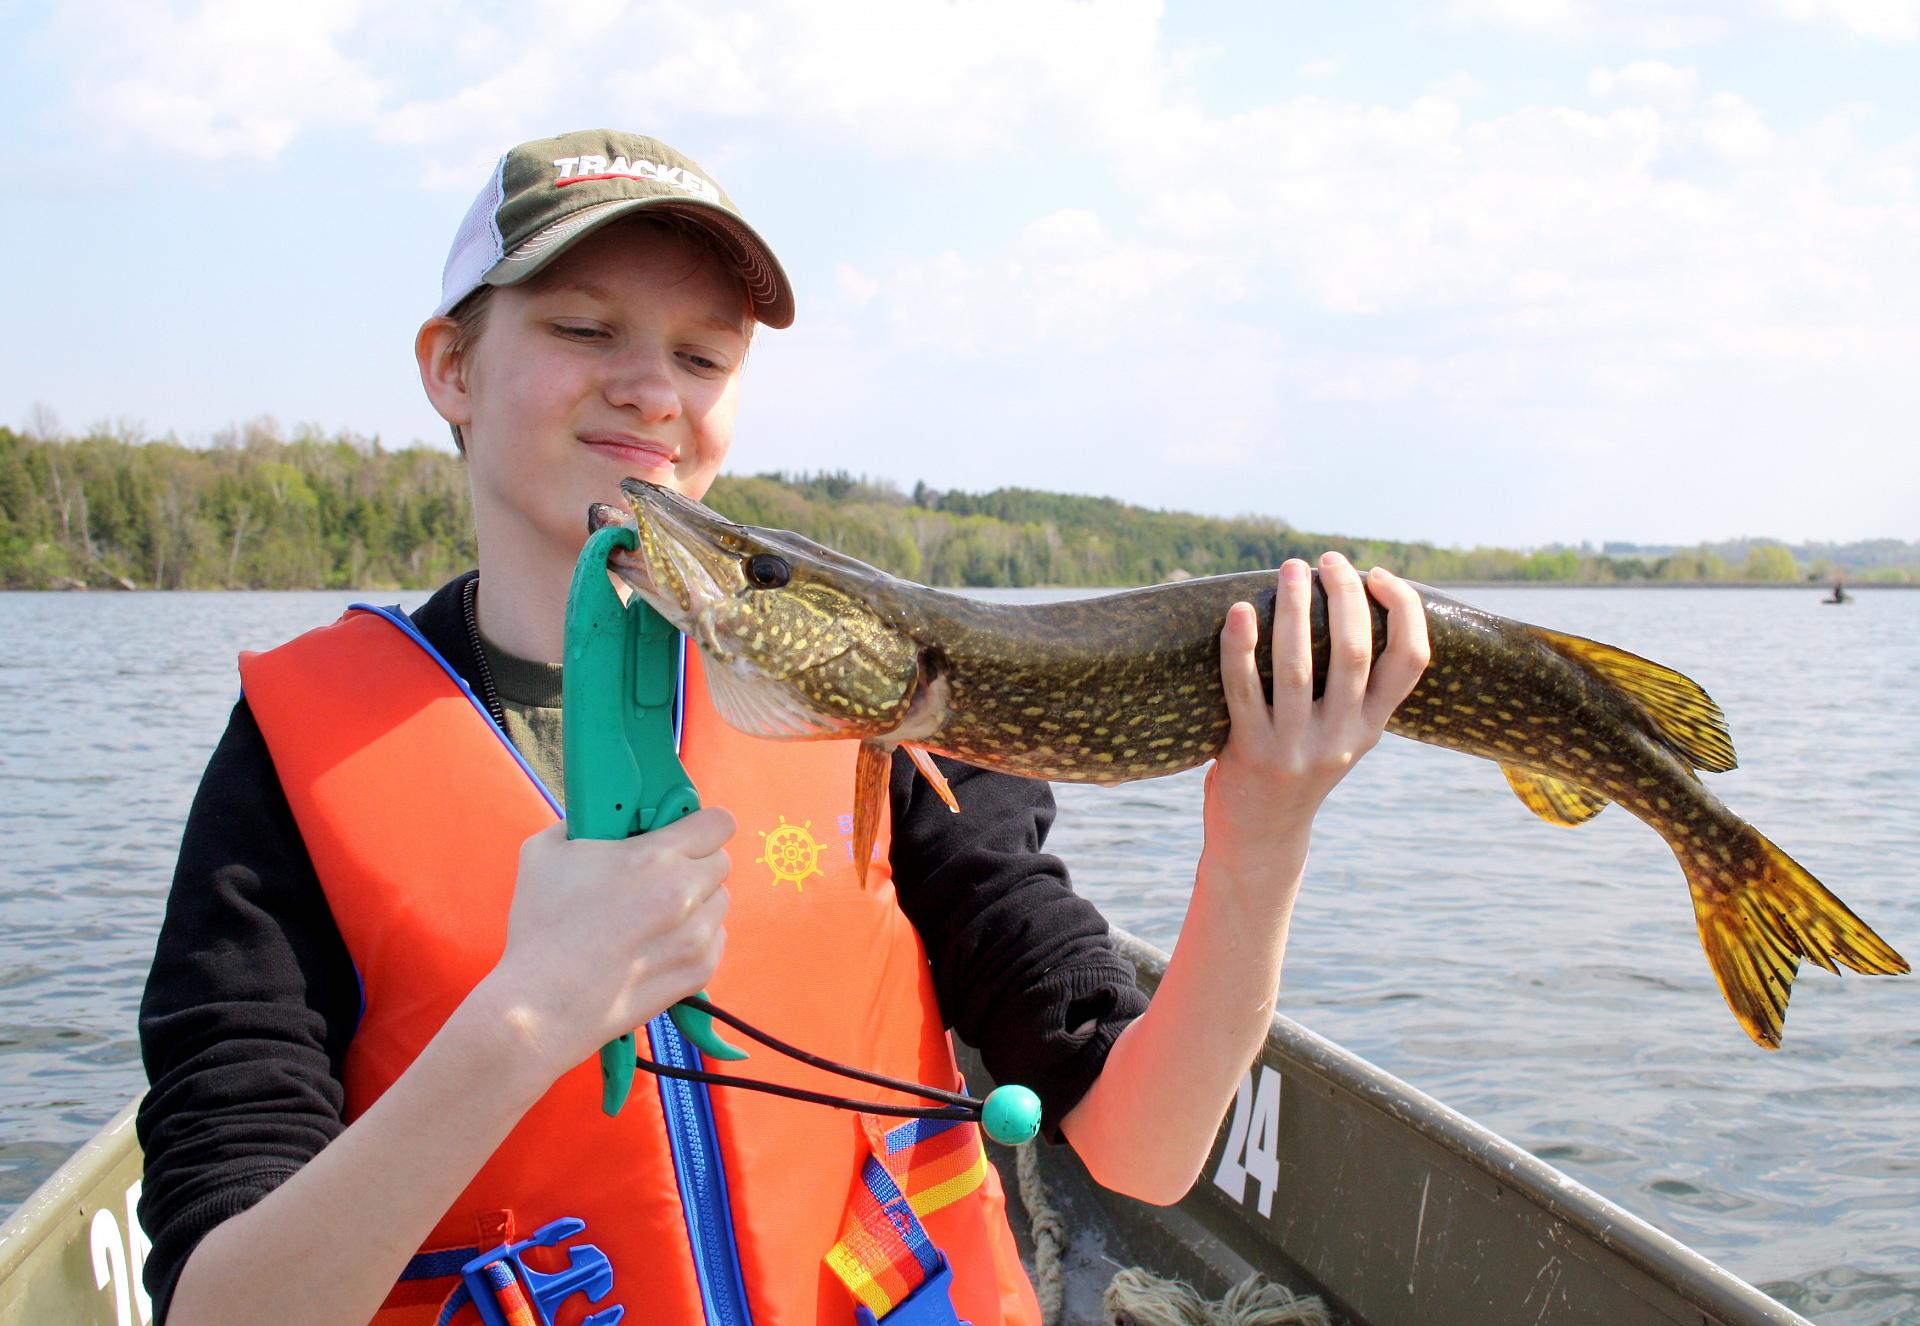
1282,759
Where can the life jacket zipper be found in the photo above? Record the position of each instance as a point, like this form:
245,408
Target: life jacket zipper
687,1107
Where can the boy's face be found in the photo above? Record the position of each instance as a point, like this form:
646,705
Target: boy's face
622,358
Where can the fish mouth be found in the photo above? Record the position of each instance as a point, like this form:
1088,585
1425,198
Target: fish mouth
679,559
685,564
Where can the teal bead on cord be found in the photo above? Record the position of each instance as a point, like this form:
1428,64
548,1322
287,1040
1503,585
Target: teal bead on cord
1011,1115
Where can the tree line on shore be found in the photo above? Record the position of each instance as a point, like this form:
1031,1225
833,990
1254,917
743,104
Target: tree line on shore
257,510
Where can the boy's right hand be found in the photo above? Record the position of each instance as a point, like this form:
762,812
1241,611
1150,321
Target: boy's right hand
605,935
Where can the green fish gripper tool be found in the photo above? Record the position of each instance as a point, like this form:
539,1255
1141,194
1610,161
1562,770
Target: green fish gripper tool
623,775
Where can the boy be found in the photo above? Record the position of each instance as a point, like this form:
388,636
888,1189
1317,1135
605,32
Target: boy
369,1038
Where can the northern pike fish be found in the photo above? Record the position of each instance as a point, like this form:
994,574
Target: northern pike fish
802,642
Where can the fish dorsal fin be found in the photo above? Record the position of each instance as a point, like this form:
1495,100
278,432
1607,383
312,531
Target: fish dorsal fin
1552,799
1685,716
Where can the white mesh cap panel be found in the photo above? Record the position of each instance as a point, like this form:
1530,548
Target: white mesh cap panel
477,246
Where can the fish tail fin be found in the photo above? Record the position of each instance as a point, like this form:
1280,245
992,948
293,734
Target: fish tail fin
1760,913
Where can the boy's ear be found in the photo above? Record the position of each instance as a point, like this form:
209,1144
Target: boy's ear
443,372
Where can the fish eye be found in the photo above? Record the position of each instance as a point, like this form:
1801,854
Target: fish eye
766,571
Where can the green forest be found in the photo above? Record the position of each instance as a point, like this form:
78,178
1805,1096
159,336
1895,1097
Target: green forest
258,510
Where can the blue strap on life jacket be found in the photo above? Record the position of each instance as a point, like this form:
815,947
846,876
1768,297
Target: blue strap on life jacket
503,1289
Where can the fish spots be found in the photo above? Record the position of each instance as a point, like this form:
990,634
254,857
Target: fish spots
1033,711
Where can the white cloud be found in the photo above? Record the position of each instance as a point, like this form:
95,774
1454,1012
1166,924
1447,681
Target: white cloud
1065,282
223,79
1645,80
1660,25
1878,20
1459,86
1666,25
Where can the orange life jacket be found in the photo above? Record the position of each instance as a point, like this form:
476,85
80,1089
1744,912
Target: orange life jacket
413,807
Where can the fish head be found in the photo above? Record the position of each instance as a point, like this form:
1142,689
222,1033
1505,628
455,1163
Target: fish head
798,641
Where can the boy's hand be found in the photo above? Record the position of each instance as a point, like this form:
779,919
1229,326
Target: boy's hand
1281,760
605,935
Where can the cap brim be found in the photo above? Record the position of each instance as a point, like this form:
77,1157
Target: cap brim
761,273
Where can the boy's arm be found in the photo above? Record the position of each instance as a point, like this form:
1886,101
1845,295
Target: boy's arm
1145,1126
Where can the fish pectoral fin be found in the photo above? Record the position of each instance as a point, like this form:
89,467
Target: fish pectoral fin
1554,799
935,779
1683,713
871,772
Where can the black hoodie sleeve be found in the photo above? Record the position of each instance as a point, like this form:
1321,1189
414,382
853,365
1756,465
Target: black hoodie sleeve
252,997
246,1015
1024,967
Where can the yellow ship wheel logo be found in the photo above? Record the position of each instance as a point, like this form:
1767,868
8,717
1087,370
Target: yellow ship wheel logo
791,853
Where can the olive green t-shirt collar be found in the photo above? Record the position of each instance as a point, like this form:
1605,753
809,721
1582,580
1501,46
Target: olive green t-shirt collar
523,681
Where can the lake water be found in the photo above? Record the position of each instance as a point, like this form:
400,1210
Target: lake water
1547,982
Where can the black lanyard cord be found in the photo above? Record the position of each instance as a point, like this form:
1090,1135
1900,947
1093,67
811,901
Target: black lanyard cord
963,1112
746,1028
1010,1115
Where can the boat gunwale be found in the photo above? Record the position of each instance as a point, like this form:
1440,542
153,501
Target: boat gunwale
1696,1279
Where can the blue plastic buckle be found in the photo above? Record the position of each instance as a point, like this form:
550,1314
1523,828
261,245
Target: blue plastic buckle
589,1272
929,1305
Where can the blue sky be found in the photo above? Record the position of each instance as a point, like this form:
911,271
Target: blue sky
1500,271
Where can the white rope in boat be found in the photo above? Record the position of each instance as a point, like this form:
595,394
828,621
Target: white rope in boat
1137,1297
1049,1235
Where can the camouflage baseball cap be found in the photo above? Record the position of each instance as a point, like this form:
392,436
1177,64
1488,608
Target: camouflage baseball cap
544,196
